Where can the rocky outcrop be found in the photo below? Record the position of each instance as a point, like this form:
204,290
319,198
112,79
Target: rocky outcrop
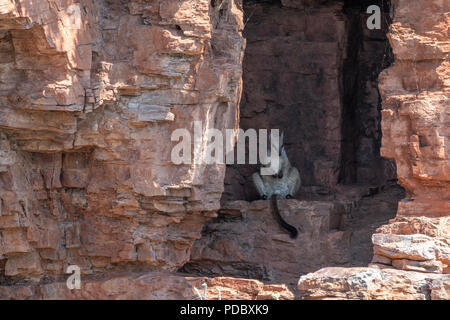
246,241
153,286
373,284
410,261
311,69
415,111
91,92
415,119
410,252
416,244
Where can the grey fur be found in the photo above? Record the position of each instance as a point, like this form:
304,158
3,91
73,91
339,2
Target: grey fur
285,183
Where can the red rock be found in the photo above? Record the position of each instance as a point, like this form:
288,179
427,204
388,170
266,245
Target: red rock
367,284
246,238
420,266
151,286
85,171
90,177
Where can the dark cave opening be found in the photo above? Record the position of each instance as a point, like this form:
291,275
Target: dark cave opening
311,70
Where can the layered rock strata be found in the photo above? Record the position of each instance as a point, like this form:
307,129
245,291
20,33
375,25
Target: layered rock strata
152,286
90,93
415,122
246,241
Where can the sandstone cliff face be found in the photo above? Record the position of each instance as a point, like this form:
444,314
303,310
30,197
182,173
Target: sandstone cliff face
415,122
416,102
245,241
89,103
373,284
311,69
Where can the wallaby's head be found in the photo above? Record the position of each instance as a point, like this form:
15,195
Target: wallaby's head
277,166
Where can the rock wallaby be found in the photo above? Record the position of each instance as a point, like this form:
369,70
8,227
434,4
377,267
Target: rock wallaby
284,184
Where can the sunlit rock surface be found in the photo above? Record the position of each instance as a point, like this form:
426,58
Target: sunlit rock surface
90,92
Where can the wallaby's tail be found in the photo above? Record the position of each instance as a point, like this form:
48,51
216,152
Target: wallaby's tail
292,230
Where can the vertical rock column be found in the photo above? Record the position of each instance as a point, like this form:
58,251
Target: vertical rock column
415,125
416,100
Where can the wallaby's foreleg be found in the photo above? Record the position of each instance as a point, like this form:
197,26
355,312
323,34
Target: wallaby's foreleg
259,184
